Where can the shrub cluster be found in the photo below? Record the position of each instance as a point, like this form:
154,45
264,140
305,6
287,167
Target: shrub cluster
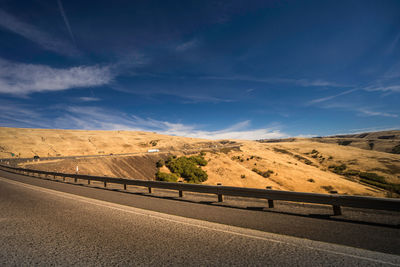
339,169
303,159
265,174
189,168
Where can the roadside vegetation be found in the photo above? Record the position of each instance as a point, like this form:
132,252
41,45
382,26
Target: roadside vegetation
188,168
370,178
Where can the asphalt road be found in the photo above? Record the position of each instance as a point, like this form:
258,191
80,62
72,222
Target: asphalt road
48,223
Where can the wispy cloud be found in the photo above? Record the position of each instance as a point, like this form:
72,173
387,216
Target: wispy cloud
392,88
186,45
323,99
66,21
393,44
191,99
96,118
88,99
271,80
19,115
23,79
30,32
377,113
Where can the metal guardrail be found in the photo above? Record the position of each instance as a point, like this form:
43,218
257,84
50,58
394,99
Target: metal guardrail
337,201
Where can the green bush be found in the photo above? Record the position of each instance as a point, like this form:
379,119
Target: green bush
166,177
188,168
242,176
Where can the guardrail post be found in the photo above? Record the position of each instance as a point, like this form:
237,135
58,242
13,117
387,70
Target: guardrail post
337,210
150,190
220,196
105,184
88,181
270,201
75,180
63,178
180,191
124,186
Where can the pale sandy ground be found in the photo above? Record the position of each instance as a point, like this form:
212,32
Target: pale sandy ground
289,172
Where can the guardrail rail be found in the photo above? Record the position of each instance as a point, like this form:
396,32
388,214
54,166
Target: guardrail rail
335,200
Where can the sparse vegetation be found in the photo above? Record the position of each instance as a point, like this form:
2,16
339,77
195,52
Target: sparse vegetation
153,142
371,176
344,142
338,169
303,159
328,188
311,180
386,137
396,149
242,176
283,151
371,145
264,174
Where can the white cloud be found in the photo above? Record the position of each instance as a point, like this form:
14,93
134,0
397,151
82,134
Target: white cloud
66,21
377,113
94,118
30,32
88,99
323,99
393,88
22,79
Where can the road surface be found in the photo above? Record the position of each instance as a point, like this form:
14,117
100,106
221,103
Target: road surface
48,223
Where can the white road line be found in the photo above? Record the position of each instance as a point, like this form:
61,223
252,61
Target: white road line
357,253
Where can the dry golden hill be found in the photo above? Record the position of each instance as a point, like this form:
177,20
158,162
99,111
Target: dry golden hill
25,143
303,165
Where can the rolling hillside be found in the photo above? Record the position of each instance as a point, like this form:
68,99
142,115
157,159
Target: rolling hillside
307,165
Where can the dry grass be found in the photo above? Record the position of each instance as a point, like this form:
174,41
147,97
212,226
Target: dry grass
287,160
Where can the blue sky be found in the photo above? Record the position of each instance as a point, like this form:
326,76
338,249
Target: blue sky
213,69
